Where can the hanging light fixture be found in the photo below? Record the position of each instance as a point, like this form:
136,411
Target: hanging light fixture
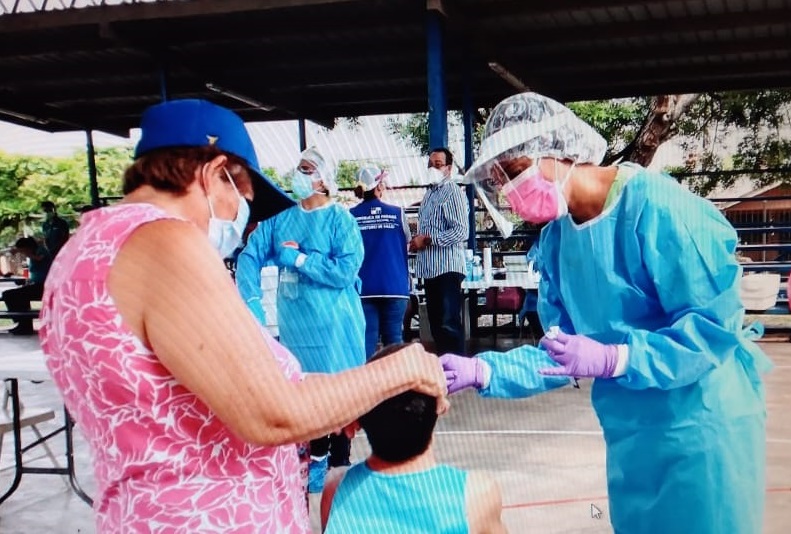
509,77
238,97
24,117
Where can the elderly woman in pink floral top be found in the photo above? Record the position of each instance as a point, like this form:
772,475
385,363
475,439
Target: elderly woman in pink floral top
190,408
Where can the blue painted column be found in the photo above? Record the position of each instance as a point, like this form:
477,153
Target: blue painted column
469,132
92,174
435,76
303,140
163,83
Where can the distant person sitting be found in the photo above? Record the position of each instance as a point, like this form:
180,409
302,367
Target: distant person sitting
55,228
18,299
401,487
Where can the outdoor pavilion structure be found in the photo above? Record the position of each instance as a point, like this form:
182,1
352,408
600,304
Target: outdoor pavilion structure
97,64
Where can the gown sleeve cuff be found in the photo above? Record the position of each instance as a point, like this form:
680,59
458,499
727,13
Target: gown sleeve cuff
486,374
623,361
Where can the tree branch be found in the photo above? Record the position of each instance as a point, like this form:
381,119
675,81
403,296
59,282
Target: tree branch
665,110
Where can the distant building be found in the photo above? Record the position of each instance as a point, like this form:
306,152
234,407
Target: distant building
758,210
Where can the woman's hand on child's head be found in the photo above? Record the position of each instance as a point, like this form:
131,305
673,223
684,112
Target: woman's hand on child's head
425,371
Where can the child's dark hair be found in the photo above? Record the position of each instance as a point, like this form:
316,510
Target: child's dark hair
26,243
401,427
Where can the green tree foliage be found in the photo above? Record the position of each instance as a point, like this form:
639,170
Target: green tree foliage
716,131
280,181
618,121
413,129
347,173
26,181
746,130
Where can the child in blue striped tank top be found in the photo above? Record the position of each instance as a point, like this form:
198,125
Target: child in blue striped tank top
400,487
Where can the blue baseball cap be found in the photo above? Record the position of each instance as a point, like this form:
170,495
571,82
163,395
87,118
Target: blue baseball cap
193,122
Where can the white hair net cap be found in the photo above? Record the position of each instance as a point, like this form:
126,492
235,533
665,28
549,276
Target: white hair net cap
370,176
324,168
531,124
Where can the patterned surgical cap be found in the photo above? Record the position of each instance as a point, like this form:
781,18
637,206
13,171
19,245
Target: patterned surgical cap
530,124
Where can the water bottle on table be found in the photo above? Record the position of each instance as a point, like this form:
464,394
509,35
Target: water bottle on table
288,282
468,264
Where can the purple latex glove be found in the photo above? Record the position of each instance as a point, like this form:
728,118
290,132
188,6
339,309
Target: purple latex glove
461,372
580,356
288,256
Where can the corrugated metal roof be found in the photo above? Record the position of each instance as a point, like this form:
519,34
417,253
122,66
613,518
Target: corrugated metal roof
99,67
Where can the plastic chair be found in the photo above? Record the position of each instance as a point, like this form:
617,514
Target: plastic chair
28,418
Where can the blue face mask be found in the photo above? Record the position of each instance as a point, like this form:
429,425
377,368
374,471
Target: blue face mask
302,185
226,236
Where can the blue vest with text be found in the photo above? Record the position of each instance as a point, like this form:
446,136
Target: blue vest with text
384,272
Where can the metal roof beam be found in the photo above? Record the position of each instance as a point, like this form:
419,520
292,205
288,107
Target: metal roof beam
662,29
639,87
201,72
628,81
407,104
692,70
34,115
78,76
27,45
603,57
254,31
511,8
146,11
518,7
66,74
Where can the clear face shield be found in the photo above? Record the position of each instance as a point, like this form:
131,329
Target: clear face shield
488,186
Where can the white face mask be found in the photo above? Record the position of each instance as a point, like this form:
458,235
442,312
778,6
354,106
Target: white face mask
226,236
434,175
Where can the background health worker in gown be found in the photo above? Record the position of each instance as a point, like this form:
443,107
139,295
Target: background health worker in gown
318,248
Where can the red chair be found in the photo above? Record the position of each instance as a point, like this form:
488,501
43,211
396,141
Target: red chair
503,300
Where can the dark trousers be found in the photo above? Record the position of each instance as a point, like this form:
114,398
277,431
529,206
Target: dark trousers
18,300
443,304
337,445
384,316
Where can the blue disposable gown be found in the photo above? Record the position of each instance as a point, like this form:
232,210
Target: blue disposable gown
515,373
324,326
685,426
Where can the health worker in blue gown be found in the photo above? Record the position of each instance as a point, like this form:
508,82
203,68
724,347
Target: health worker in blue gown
318,248
639,276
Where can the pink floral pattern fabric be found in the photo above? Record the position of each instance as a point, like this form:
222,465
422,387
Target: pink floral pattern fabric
163,461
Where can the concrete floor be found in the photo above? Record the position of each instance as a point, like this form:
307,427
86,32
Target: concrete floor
547,453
